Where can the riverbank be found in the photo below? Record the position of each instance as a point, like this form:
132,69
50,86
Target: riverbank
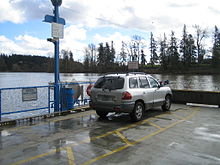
156,69
193,70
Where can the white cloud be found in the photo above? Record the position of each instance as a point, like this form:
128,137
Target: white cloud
25,45
8,46
158,16
73,41
9,13
75,33
117,38
140,14
74,36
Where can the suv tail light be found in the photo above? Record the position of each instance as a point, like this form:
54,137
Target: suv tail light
126,96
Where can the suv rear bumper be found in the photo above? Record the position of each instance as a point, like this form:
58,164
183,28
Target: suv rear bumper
124,107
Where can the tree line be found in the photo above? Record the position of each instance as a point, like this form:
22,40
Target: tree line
35,63
166,53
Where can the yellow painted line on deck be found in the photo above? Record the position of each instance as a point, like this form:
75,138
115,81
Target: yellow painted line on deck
165,128
105,155
177,116
152,124
138,123
185,111
137,141
109,133
122,128
70,156
38,156
79,108
123,137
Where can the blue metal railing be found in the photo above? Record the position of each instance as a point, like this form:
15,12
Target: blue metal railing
12,94
11,102
0,105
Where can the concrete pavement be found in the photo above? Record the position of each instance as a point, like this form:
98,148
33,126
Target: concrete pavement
185,135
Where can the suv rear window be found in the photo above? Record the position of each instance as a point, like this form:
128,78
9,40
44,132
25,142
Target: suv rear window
110,83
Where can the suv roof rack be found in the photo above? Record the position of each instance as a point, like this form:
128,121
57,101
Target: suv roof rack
136,73
113,73
126,73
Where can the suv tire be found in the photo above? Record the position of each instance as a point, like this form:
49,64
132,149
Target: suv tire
137,113
167,104
101,114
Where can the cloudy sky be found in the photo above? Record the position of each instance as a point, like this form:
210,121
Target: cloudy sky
93,21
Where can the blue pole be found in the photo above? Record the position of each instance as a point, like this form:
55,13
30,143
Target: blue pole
56,69
0,105
48,99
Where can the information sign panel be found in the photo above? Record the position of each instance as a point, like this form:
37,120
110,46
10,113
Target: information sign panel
132,65
29,94
57,30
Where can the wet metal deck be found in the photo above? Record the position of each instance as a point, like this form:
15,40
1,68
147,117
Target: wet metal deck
185,135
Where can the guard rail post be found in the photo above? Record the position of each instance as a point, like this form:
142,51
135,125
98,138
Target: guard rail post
49,99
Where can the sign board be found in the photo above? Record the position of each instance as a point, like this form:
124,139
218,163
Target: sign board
29,94
132,65
57,30
50,19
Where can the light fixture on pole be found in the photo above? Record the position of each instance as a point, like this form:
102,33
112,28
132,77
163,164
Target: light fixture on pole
56,2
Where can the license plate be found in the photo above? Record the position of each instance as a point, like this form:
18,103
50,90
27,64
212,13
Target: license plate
105,98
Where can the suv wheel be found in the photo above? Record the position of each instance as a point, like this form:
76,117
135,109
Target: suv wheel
102,114
167,103
137,113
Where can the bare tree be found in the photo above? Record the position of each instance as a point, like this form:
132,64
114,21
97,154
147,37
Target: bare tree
123,54
200,35
134,47
92,50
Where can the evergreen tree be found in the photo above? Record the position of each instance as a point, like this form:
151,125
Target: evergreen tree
101,55
143,60
71,56
107,54
216,48
191,50
153,50
112,53
163,53
187,48
172,51
86,62
183,46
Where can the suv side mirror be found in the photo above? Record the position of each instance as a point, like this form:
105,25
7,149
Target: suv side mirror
162,83
166,82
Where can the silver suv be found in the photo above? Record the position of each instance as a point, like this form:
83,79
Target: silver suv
130,93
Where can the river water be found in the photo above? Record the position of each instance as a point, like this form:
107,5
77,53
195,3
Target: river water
196,82
12,100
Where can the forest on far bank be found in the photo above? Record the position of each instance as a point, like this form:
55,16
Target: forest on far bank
28,63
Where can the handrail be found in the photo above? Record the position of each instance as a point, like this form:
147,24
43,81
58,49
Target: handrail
37,103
